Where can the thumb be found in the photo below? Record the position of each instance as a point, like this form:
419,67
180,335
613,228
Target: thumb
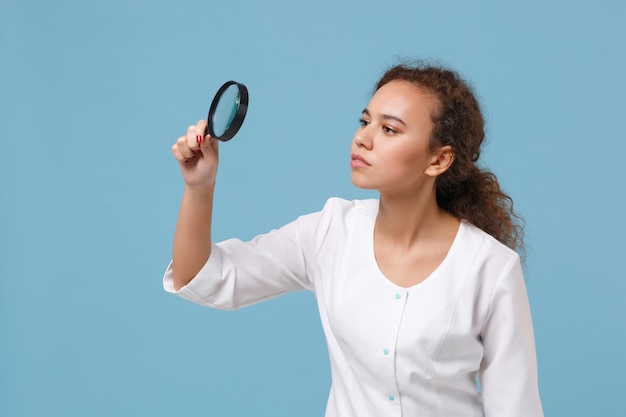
209,145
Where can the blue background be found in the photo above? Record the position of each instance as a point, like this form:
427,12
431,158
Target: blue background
93,94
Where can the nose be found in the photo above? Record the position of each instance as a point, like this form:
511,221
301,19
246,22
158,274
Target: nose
362,138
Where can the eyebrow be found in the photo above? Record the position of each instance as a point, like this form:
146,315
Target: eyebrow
385,116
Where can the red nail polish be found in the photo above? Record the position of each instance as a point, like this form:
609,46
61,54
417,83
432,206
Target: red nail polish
198,139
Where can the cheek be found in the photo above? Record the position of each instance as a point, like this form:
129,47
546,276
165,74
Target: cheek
408,161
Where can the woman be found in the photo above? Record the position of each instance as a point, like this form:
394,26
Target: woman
420,292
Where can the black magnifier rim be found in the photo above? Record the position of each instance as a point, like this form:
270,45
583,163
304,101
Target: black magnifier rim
240,114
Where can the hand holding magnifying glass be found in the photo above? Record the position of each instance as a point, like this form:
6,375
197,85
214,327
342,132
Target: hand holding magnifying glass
198,158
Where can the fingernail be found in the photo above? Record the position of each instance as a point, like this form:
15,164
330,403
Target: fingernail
198,139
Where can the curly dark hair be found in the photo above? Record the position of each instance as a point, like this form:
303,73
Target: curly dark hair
465,190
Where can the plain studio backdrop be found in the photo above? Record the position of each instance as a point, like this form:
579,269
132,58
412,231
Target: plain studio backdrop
93,94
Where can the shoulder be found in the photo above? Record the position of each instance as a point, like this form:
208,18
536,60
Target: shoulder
342,214
489,245
338,209
337,218
346,208
485,268
488,258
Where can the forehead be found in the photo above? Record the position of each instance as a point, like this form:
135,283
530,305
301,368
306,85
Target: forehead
400,95
402,98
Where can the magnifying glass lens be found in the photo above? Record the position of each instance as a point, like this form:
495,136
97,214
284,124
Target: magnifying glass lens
226,110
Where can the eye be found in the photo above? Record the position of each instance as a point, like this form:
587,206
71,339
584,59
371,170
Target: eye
389,130
363,122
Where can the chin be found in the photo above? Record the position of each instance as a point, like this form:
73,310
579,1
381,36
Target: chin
360,183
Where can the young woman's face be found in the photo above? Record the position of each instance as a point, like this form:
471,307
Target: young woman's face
390,150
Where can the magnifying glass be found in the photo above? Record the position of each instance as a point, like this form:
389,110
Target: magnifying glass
227,111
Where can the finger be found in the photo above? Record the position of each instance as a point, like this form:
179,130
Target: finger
202,134
210,145
192,139
201,129
183,148
181,158
176,152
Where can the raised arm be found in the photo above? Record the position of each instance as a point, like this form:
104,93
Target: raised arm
197,156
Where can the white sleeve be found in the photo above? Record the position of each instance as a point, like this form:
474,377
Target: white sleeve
238,274
508,373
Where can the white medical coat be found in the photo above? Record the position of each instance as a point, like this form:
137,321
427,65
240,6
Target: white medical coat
394,351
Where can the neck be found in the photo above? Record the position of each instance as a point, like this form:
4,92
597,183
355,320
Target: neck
409,219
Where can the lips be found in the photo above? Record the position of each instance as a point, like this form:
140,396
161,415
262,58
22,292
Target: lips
358,161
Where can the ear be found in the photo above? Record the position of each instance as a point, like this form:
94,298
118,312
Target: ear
441,160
